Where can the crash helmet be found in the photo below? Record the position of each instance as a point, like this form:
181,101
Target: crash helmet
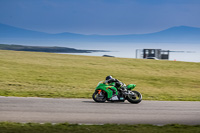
109,77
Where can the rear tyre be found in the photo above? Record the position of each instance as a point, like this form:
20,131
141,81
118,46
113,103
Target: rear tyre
99,97
137,98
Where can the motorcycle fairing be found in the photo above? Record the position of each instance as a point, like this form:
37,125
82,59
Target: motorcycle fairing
107,88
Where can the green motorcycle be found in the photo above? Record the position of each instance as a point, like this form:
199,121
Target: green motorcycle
104,92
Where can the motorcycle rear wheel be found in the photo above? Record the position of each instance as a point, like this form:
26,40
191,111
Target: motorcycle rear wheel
135,99
100,98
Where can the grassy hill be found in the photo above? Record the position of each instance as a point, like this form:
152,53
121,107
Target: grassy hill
72,76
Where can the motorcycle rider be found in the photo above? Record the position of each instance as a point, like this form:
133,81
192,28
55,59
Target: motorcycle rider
109,80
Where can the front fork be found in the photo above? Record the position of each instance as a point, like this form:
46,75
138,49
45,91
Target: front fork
100,93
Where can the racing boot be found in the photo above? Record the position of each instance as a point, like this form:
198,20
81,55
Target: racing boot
114,97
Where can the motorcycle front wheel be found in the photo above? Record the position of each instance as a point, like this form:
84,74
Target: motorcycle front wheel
137,98
99,96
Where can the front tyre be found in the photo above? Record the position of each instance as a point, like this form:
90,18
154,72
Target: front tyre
99,96
136,98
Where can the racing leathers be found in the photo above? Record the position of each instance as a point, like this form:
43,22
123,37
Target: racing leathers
116,83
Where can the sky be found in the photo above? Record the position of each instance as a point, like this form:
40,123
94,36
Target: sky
103,17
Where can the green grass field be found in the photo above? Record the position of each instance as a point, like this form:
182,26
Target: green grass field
6,127
32,74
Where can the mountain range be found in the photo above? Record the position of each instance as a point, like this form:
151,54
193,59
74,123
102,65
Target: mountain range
179,34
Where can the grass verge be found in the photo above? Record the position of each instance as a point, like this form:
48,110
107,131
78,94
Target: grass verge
34,74
8,127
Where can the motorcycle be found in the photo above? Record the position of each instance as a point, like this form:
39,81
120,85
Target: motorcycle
103,92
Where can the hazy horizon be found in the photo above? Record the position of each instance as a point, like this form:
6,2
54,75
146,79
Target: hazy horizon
105,17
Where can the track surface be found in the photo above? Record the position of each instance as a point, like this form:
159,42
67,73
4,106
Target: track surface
86,111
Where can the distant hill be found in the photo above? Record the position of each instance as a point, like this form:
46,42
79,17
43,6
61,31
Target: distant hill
45,49
180,34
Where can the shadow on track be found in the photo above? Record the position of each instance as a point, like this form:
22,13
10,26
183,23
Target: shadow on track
106,102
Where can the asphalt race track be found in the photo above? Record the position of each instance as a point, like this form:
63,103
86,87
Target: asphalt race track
86,111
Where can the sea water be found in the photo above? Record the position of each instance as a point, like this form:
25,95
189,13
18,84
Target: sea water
179,52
